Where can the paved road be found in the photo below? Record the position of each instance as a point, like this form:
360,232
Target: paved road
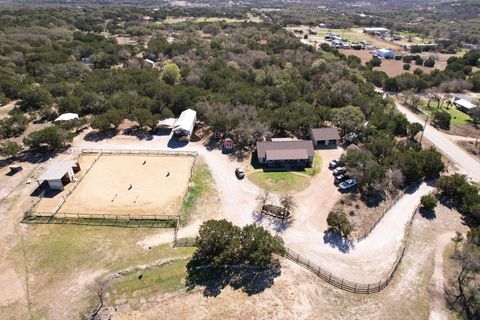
466,163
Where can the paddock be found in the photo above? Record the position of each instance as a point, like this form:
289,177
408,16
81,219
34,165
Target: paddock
130,184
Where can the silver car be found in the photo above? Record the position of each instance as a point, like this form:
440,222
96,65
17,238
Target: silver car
348,184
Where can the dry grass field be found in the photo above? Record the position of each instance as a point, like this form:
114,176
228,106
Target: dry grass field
132,184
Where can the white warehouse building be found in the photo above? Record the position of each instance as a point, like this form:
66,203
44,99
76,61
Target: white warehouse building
183,127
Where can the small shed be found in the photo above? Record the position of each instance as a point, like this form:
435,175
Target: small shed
325,137
59,174
66,117
183,127
463,105
228,144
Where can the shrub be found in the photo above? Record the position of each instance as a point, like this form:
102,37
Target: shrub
10,149
406,66
430,63
339,224
428,202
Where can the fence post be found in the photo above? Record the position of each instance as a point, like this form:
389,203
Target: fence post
355,289
368,288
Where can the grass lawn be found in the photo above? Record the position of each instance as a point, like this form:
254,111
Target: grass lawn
317,165
280,181
201,184
167,278
458,117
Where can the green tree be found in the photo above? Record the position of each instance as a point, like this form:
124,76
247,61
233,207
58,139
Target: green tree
171,73
413,128
428,202
429,63
338,223
442,119
10,149
145,118
33,98
349,119
13,125
47,139
108,120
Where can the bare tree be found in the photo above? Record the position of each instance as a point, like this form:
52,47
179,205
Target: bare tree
99,288
288,205
396,178
263,198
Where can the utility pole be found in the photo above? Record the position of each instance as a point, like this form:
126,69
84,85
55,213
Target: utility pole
424,127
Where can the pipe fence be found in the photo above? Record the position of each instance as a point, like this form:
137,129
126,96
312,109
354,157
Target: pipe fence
153,152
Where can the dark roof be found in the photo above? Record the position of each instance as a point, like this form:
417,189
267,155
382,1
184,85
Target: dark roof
285,150
292,154
325,134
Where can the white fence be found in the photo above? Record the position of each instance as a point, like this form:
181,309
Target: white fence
135,151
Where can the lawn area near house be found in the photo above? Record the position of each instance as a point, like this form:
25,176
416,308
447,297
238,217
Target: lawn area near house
458,117
317,165
281,181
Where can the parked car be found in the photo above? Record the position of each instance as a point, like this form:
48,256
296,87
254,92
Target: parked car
348,184
240,173
340,178
333,164
339,170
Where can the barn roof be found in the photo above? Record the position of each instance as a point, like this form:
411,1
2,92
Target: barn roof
186,121
57,170
464,103
67,116
319,134
285,150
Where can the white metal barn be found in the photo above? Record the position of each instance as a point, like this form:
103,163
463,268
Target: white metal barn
183,127
58,174
66,117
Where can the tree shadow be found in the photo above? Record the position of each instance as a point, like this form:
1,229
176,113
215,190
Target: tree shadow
250,279
373,199
428,214
96,136
138,133
334,240
276,224
173,143
27,156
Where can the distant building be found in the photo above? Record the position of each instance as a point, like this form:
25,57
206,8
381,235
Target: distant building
149,63
66,117
325,137
463,105
183,127
88,60
376,31
285,153
385,53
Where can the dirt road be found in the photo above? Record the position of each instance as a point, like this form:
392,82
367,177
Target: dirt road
438,311
466,163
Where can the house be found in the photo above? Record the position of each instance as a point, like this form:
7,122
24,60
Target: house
463,105
59,174
66,117
88,60
183,127
385,53
324,137
285,153
149,63
376,31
